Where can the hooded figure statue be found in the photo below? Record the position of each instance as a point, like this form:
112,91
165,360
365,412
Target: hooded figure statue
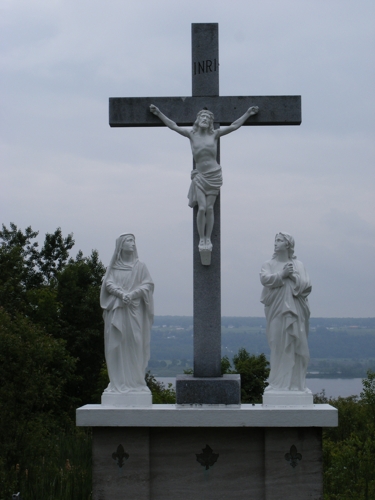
127,300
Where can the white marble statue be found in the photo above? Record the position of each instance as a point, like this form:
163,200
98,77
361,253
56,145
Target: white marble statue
127,301
206,179
286,286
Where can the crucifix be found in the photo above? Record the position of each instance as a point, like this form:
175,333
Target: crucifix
136,112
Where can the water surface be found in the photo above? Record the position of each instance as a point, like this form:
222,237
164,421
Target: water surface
334,387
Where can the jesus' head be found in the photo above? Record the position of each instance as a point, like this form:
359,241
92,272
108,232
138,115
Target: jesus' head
204,119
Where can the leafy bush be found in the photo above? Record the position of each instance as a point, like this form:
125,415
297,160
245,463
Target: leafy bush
160,393
35,369
254,371
349,449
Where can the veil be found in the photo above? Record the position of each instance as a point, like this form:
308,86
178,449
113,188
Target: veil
116,262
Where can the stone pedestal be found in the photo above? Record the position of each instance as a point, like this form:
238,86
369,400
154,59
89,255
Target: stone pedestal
225,390
171,452
125,400
295,398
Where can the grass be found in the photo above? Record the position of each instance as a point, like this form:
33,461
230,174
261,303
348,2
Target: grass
63,473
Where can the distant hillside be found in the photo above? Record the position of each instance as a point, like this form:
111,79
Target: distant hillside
244,321
338,346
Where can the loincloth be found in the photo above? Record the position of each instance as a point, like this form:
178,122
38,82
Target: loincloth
209,182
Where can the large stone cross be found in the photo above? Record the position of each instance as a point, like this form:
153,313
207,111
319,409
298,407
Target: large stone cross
273,110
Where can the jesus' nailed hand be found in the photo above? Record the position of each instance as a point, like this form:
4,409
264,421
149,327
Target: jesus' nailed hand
207,179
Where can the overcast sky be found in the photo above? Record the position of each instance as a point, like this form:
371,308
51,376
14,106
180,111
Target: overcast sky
63,166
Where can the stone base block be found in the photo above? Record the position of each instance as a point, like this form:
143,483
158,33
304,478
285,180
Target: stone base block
133,399
225,390
171,452
298,472
288,398
120,463
207,463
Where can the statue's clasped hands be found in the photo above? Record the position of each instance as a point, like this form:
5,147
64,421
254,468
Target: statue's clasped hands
126,298
287,271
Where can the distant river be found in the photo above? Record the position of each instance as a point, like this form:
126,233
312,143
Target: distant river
334,387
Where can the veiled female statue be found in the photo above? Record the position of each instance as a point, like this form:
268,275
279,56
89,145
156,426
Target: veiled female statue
127,301
286,286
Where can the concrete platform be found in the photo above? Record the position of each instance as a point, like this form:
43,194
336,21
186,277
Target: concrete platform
246,415
172,452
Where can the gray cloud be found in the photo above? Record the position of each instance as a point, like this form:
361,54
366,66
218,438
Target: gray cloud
63,166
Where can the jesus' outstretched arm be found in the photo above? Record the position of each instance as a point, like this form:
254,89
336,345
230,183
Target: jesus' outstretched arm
239,122
168,122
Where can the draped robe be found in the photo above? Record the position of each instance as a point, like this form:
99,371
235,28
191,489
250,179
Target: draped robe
208,182
287,314
127,327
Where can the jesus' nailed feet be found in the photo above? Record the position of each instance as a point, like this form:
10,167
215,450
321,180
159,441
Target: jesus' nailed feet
205,249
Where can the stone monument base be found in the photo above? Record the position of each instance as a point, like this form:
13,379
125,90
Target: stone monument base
294,398
225,390
169,452
127,399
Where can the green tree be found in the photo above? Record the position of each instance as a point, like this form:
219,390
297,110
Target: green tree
24,268
58,293
51,352
368,394
81,322
160,393
225,365
254,371
349,449
35,369
18,267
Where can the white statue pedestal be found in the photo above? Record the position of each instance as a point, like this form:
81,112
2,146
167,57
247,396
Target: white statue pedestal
288,398
169,452
127,399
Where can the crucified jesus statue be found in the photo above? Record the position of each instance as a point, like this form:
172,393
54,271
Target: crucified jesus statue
206,179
